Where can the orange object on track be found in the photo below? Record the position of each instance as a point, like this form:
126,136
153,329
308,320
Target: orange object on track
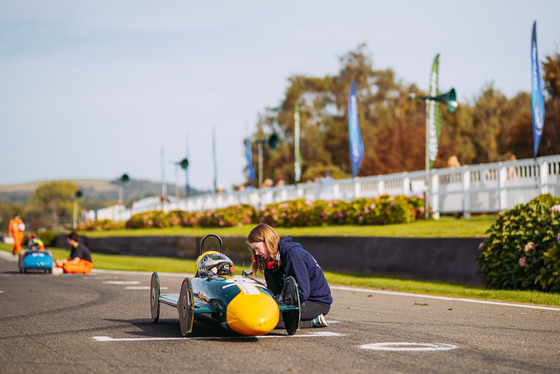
82,267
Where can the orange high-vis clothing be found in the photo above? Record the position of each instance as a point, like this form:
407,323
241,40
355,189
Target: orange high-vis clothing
82,267
17,234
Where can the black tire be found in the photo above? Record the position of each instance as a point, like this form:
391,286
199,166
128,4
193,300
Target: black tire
154,297
290,295
20,270
185,306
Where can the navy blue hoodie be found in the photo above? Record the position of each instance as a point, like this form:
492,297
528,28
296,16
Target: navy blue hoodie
299,263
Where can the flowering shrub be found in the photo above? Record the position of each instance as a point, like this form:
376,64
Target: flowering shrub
48,237
522,250
104,224
234,215
374,211
153,219
294,213
240,214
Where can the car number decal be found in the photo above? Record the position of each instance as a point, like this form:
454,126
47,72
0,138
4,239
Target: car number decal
248,289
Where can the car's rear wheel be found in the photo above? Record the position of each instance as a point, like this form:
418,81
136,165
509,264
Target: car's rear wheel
154,297
290,295
186,307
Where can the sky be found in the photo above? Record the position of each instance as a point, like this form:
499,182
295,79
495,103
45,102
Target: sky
94,89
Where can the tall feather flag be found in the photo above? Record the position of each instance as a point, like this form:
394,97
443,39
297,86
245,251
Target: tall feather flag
249,161
433,125
537,100
356,144
297,152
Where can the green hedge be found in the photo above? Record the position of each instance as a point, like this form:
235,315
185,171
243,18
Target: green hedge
294,213
104,224
383,210
235,215
48,237
522,251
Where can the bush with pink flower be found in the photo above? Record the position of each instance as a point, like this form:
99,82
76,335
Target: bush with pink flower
100,225
382,210
522,250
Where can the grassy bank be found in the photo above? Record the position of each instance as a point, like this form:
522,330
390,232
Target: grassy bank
172,265
445,227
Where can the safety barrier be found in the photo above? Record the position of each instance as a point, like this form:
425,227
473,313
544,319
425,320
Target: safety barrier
492,187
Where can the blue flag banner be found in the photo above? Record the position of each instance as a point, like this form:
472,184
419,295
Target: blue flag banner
537,100
250,161
356,144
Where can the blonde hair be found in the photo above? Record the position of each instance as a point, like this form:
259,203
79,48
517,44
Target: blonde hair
266,234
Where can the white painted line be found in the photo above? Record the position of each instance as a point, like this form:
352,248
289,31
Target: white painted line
178,275
312,335
409,347
365,290
8,256
443,298
121,282
142,288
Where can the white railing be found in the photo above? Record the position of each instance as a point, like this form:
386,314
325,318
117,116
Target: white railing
467,189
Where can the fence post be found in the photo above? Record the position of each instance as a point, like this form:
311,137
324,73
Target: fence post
406,185
336,191
466,193
380,187
543,178
435,195
357,189
501,188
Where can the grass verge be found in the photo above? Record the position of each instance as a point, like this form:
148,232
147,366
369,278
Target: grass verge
445,227
173,265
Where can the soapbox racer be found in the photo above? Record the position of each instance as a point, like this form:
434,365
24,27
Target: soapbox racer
215,296
36,257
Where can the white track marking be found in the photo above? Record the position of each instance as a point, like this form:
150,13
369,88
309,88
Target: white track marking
409,347
142,288
312,335
8,256
121,282
443,298
370,291
142,273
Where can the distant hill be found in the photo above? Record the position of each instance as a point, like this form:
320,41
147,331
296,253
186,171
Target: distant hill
98,192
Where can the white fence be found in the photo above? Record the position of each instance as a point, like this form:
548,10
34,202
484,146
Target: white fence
467,189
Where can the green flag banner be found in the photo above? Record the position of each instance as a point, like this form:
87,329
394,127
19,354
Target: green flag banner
297,153
433,125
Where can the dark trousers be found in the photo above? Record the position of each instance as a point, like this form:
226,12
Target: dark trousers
309,310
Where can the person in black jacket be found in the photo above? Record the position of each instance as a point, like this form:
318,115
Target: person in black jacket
279,258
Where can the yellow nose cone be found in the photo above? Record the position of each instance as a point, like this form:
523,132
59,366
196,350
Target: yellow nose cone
255,314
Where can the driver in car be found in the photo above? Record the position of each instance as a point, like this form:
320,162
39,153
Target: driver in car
214,263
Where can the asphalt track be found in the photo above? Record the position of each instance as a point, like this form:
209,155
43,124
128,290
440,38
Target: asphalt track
101,323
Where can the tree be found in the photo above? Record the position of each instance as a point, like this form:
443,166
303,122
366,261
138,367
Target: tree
51,205
393,128
550,140
516,134
7,212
